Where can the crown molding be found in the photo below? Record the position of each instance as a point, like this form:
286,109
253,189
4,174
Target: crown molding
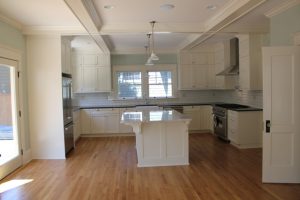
56,30
281,8
11,22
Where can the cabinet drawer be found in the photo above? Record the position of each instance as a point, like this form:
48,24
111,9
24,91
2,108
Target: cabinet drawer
232,115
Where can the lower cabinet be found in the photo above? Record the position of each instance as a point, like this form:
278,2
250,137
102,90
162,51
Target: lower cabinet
103,121
201,118
77,125
245,129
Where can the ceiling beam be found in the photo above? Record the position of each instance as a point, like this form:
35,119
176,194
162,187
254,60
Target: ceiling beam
224,19
86,13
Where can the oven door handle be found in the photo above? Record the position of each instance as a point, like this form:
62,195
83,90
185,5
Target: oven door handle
215,121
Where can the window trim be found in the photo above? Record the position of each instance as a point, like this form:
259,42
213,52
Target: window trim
144,70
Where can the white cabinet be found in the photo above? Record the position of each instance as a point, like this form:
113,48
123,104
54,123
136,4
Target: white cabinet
66,55
196,70
77,125
245,128
122,127
250,56
91,73
85,119
201,117
103,121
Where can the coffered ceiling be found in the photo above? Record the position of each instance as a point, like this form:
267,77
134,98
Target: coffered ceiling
125,25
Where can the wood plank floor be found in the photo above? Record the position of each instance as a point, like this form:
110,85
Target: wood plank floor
105,168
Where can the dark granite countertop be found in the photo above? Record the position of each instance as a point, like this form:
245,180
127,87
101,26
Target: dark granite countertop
246,109
166,105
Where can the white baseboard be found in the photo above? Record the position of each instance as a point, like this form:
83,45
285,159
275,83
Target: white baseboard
107,135
26,156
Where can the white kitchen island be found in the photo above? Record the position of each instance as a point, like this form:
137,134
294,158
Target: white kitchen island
161,137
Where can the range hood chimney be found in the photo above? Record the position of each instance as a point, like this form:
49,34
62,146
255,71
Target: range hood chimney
233,68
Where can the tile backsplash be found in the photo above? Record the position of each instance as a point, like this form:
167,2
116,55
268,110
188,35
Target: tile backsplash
252,98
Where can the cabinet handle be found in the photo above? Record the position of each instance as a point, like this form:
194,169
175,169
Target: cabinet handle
268,126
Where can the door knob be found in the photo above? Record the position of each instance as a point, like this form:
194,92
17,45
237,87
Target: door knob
268,126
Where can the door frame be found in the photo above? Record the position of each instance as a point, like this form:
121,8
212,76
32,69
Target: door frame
7,52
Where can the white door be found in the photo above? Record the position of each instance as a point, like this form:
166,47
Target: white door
10,157
281,94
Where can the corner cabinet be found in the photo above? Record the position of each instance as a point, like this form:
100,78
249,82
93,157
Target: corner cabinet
91,72
250,56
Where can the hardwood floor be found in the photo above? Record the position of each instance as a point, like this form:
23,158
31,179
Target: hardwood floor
105,168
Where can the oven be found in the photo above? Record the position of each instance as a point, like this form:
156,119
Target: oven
220,122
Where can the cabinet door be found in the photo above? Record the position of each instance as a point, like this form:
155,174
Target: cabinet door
76,78
104,79
206,118
194,114
244,75
89,79
185,58
85,121
186,77
211,77
68,58
200,76
98,124
112,123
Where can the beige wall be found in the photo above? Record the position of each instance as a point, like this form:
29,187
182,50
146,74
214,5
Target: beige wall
45,97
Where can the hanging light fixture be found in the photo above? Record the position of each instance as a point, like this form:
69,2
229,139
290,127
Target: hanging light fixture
153,56
147,47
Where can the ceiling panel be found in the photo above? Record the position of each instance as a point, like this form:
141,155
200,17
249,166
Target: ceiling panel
133,11
39,12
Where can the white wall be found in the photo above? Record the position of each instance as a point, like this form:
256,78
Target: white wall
45,97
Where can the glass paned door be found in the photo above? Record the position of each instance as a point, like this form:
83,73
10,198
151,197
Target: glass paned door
10,157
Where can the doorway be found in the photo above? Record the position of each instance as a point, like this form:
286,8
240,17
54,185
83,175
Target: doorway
10,151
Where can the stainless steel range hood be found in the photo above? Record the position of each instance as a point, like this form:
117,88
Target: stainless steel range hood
233,68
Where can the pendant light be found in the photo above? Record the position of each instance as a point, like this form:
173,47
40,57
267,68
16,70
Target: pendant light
153,56
147,47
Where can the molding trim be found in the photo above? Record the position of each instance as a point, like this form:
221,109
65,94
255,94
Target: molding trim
27,156
281,8
11,22
56,30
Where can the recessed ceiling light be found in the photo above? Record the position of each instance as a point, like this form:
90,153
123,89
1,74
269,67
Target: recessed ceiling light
211,7
108,7
167,6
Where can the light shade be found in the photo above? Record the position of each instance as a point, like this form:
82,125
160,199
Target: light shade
154,56
149,62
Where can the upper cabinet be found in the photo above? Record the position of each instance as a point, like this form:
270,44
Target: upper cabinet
91,72
66,55
196,69
250,58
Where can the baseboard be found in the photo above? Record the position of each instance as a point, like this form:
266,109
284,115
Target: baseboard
27,157
108,135
200,131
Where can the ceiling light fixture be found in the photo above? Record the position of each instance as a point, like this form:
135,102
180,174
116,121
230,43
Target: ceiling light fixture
211,7
108,7
147,47
167,7
153,56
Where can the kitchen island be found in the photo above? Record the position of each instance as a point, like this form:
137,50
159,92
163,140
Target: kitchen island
161,136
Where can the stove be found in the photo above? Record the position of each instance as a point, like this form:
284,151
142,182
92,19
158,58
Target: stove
220,119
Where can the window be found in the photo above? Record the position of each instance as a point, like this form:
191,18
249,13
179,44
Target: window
129,84
160,84
140,82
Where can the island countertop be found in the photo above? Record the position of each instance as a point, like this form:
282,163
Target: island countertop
152,116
